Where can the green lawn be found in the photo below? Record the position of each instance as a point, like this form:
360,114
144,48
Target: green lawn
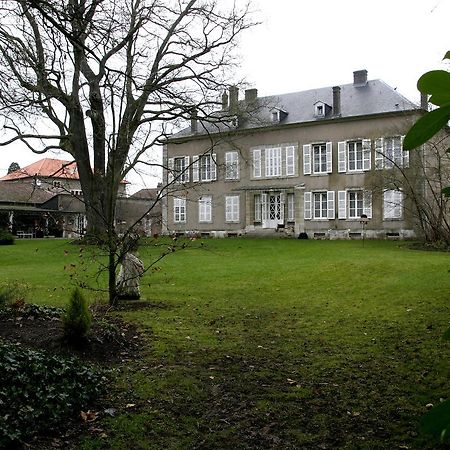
284,344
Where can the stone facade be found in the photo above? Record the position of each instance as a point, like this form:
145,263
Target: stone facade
309,164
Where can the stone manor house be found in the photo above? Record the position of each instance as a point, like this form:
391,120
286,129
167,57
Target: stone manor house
294,163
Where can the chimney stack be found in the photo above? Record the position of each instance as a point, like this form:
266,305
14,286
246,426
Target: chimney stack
336,100
234,97
194,123
360,78
224,101
424,101
251,95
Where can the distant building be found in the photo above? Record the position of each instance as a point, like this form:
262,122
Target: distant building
46,199
299,163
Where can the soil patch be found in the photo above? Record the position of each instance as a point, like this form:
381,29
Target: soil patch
110,340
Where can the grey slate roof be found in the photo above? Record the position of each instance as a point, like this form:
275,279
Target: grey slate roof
376,97
22,192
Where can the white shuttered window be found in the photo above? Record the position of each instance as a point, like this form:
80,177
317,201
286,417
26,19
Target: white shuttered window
232,208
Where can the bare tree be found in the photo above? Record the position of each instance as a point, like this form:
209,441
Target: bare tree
422,182
105,80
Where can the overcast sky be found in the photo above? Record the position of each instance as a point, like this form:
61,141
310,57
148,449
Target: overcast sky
305,44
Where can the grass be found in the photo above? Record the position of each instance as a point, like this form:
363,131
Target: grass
270,343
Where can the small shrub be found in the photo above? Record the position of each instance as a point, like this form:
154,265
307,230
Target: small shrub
39,391
78,319
10,293
6,238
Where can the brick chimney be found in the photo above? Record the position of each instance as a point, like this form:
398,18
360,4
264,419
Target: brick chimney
194,123
234,97
360,78
336,100
424,101
251,95
224,101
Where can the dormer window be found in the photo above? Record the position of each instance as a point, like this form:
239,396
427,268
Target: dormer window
278,115
321,109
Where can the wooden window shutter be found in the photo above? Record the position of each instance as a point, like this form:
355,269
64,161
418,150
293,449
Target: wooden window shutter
307,205
170,166
213,166
367,204
195,168
379,153
186,168
330,205
307,159
405,154
329,150
290,160
366,147
257,163
342,156
342,204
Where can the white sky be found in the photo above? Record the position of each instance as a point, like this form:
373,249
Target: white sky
305,44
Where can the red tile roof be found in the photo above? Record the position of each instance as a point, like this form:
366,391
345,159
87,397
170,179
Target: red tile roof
47,167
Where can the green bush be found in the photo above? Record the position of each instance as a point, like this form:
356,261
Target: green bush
6,238
39,391
77,319
12,292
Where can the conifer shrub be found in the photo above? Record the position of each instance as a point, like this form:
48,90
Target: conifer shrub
6,238
78,319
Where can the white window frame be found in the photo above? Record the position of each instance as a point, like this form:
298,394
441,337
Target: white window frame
325,166
393,204
181,173
322,212
205,209
389,153
290,207
258,207
231,165
204,168
290,160
232,208
359,206
273,161
257,163
319,158
179,209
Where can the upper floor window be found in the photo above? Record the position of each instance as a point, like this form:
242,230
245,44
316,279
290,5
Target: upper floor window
231,165
354,156
179,169
204,168
389,153
274,161
317,158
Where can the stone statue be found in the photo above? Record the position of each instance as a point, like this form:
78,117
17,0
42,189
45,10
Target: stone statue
131,271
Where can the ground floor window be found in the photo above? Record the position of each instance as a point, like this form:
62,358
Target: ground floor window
355,204
258,207
232,208
205,209
290,207
179,209
392,204
320,205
